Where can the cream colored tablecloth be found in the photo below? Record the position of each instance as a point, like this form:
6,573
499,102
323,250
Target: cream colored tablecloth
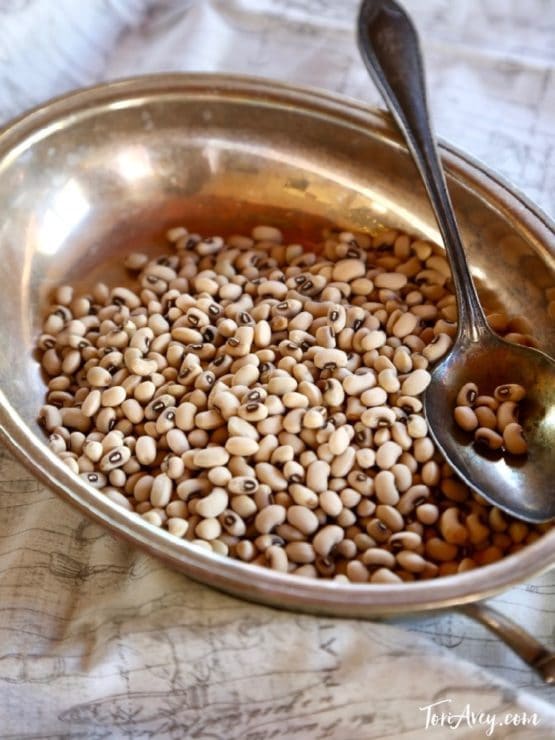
100,641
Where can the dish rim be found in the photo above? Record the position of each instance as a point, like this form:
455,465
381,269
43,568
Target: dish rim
233,576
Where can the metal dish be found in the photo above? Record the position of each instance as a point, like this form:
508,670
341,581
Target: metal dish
89,176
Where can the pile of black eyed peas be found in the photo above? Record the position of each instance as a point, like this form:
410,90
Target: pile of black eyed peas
262,401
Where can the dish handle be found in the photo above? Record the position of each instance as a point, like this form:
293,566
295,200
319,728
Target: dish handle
532,652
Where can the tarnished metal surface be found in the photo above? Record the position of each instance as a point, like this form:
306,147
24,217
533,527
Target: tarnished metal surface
101,172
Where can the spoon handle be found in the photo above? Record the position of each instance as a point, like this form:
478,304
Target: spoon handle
388,43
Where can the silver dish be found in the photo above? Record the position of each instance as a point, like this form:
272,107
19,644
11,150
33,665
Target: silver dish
95,174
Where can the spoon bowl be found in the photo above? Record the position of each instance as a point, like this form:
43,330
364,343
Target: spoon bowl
523,486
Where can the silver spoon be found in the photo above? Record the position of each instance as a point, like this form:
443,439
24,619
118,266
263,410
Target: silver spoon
525,486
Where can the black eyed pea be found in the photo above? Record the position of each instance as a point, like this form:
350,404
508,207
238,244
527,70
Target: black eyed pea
287,531
331,503
509,392
359,382
177,509
303,496
389,516
466,564
416,426
118,498
174,467
161,491
465,418
330,358
346,549
423,450
413,497
365,458
438,549
145,450
300,552
378,531
486,417
514,440
243,505
357,572
95,479
379,416
478,532
115,458
50,417
177,441
212,505
454,489
384,575
271,476
387,454
327,538
415,382
239,467
269,518
317,475
339,441
294,472
208,529
72,418
439,345
488,438
158,405
451,528
211,457
467,395
219,476
276,558
242,485
58,444
407,540
411,561
306,571
431,473
98,377
363,541
342,464
489,401
403,477
93,450
232,523
165,421
177,526
405,325
377,557
241,446
361,483
153,517
399,434
374,397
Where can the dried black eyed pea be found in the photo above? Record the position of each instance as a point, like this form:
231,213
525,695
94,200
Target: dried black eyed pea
509,392
465,418
514,439
486,417
487,437
467,394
